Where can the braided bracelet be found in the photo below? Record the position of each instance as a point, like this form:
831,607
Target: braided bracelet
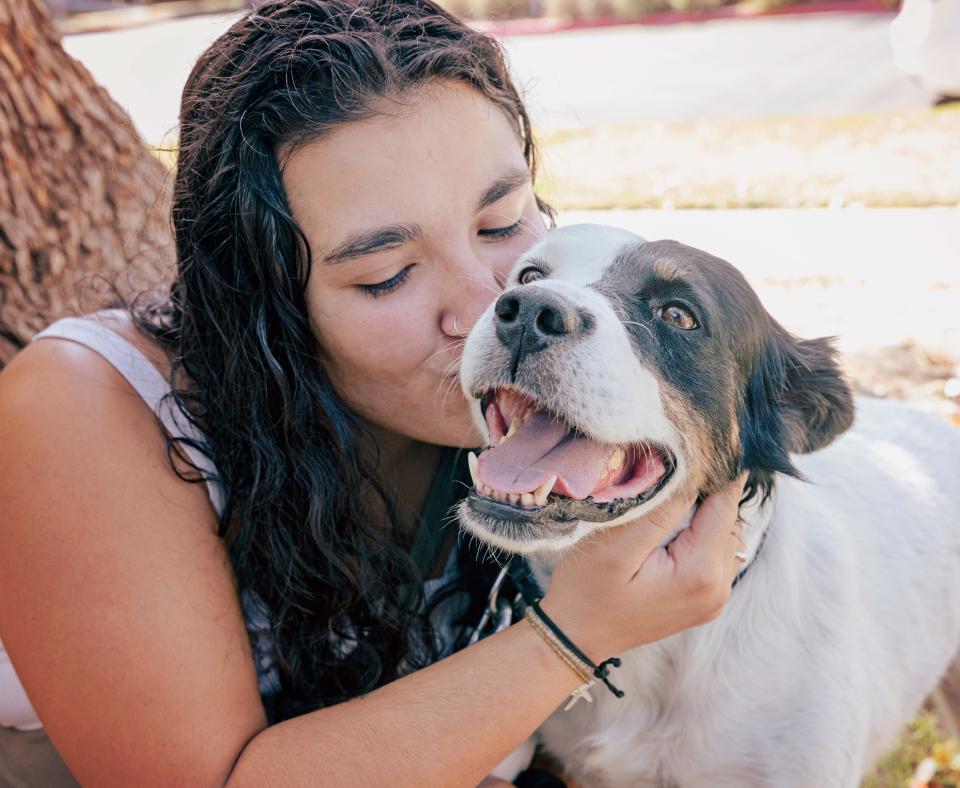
572,656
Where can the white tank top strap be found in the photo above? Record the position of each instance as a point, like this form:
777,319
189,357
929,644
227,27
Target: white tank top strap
147,381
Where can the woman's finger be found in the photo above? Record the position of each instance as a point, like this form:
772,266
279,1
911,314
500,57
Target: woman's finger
715,534
634,541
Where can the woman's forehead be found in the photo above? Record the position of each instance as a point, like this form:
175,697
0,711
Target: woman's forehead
433,155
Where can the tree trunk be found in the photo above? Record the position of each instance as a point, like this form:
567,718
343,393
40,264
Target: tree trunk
83,202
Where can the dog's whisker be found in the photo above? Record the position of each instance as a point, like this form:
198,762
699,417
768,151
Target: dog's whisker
448,389
494,290
453,346
641,325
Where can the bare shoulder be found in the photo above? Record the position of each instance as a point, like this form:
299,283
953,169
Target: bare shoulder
63,401
117,601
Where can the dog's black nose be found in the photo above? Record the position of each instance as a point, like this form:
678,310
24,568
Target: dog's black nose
530,319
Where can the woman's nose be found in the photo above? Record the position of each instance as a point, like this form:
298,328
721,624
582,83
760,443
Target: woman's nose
472,292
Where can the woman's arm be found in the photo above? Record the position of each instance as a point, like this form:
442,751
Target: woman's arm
450,723
119,610
117,602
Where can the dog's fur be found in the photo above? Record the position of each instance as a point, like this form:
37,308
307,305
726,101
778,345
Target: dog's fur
848,616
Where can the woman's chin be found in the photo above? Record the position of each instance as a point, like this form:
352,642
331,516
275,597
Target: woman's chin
460,433
440,429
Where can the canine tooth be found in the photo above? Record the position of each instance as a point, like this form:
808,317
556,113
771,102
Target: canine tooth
513,428
527,499
616,459
502,439
541,493
472,462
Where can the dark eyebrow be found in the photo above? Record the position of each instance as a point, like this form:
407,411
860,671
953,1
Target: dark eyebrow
503,186
369,241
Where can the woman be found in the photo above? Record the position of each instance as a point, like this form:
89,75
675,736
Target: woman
354,181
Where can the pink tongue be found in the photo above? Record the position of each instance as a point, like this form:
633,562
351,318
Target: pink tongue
539,448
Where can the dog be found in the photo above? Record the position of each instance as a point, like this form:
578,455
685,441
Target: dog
613,373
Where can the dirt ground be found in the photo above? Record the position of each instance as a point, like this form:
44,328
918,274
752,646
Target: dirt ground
909,371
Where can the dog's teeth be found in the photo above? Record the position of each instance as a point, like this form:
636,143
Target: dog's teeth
515,498
513,428
502,439
527,499
472,462
616,460
541,493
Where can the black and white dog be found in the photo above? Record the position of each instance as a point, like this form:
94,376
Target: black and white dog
615,372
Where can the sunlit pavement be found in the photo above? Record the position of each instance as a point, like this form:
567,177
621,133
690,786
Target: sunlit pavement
821,63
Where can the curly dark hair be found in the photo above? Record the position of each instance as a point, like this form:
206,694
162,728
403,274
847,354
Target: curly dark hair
288,451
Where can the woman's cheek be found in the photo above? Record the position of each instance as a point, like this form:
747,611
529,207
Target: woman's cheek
397,332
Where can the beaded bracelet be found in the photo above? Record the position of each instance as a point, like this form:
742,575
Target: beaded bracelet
572,656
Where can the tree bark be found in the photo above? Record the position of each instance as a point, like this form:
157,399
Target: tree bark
83,201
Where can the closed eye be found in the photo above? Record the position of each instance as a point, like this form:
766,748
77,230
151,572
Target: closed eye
503,232
388,285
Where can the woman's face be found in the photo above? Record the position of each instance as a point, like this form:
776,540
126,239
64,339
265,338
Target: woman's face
413,219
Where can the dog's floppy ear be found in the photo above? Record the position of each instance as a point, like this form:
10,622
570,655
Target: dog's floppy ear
797,400
817,401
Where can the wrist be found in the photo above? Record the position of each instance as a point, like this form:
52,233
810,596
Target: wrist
594,642
543,660
589,671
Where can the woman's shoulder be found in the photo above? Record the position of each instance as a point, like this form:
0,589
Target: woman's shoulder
67,405
116,321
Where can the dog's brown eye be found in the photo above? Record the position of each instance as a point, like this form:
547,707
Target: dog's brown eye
531,274
679,316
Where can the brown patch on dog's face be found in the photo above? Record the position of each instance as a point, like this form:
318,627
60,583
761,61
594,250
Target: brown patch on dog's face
741,390
712,453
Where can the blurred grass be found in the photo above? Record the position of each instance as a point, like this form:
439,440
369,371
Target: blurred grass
918,742
890,159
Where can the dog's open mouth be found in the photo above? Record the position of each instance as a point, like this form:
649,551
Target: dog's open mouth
538,464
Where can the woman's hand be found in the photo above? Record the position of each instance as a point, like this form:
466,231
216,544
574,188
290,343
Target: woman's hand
619,589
